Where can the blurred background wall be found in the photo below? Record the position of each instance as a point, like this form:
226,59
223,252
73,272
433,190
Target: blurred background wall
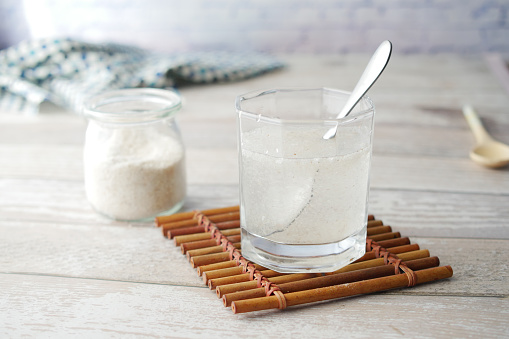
290,26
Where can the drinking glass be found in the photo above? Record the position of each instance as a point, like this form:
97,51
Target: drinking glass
303,199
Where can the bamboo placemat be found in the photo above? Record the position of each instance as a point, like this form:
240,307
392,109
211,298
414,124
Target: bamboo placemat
210,240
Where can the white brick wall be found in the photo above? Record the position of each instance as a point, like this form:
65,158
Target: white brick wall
319,26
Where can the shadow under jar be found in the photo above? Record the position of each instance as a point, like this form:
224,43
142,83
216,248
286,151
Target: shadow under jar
133,155
303,199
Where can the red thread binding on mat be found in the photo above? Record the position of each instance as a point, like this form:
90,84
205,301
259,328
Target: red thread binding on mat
392,259
224,243
247,266
281,299
251,270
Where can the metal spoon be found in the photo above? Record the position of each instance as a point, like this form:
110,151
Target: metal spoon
488,152
371,73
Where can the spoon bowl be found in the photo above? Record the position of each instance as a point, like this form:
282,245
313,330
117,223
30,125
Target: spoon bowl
488,152
492,154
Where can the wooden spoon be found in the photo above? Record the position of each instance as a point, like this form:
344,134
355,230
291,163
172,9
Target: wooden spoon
488,152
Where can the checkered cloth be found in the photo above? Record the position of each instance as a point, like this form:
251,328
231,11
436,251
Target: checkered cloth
66,71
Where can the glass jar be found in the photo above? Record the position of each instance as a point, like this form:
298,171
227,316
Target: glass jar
134,155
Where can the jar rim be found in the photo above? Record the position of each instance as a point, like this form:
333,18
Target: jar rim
110,106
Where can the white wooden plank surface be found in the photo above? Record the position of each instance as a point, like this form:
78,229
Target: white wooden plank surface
83,307
64,270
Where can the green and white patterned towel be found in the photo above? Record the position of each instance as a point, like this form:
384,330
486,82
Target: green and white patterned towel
67,71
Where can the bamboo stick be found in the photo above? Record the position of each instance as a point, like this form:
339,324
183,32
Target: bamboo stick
185,231
208,250
394,250
226,272
207,259
198,244
217,266
230,216
385,236
374,223
200,229
340,291
205,243
189,215
180,239
380,261
394,242
213,283
378,230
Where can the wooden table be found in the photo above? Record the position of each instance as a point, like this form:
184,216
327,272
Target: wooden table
64,270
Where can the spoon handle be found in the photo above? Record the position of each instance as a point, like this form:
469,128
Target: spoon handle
371,73
375,67
475,124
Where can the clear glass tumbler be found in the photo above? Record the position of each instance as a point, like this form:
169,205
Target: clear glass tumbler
134,154
303,199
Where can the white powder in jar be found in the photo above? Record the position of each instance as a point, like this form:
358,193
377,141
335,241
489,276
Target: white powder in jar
133,173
